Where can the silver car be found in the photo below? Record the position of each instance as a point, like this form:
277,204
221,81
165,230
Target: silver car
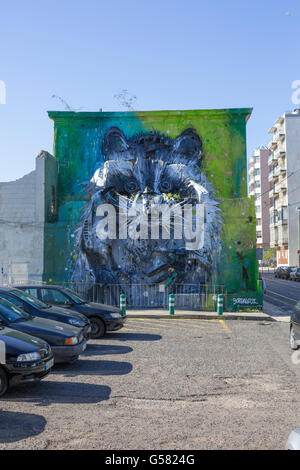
293,442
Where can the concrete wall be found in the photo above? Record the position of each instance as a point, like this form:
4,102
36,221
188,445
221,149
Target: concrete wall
292,131
22,216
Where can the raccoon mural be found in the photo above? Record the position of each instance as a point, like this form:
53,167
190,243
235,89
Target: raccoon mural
139,173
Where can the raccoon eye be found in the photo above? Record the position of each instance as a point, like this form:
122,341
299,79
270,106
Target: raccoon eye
165,186
131,186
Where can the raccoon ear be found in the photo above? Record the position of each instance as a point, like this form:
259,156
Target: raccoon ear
114,142
189,144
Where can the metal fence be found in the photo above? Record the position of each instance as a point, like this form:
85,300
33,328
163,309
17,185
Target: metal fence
191,296
187,296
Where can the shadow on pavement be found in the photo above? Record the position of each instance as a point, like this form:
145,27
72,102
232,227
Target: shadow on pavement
103,349
93,367
15,426
45,393
132,337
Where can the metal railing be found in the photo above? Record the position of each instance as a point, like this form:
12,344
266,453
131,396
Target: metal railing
187,296
191,296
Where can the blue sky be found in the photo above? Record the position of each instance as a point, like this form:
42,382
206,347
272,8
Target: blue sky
171,54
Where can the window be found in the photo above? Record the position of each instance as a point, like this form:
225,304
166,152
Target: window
13,300
31,291
53,296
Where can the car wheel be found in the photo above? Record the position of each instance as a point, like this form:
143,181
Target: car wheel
97,328
3,382
292,339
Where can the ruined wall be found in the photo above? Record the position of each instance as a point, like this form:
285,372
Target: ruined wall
22,216
79,149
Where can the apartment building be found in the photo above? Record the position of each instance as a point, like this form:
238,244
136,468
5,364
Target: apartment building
259,188
284,193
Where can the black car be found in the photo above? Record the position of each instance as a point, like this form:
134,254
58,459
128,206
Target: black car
23,358
37,308
295,327
102,317
67,342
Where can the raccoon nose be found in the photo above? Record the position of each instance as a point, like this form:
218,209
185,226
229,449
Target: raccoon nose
146,200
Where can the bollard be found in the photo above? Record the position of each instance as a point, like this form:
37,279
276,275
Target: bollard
171,304
123,303
220,304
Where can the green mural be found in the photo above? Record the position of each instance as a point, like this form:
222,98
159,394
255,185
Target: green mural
210,142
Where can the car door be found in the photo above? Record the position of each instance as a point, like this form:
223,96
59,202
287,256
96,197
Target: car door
295,318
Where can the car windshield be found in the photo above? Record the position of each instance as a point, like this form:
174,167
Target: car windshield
33,301
75,297
11,312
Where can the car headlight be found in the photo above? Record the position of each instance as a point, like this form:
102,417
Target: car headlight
115,315
71,341
75,322
34,356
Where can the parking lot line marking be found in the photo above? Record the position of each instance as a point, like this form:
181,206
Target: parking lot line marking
177,320
192,321
169,324
140,328
224,325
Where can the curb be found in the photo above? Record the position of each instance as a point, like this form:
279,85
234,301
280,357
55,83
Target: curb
202,316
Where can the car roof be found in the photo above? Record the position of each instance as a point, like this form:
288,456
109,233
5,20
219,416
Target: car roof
43,286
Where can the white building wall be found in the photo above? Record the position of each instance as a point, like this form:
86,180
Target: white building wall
292,131
22,216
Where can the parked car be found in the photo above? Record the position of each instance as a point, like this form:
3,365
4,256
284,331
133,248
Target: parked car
102,317
293,442
37,308
67,342
295,274
295,327
24,358
283,272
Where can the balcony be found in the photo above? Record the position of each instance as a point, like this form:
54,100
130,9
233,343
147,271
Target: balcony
283,185
272,159
272,130
276,171
281,137
283,241
280,120
274,191
272,145
280,154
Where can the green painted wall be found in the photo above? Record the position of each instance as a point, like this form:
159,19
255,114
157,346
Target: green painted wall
77,143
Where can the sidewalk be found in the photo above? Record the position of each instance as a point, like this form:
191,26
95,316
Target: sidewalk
276,313
188,314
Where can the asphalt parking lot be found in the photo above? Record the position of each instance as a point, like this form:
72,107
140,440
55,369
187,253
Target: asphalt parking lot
164,384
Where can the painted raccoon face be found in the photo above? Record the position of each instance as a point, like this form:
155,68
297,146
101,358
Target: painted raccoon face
149,165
